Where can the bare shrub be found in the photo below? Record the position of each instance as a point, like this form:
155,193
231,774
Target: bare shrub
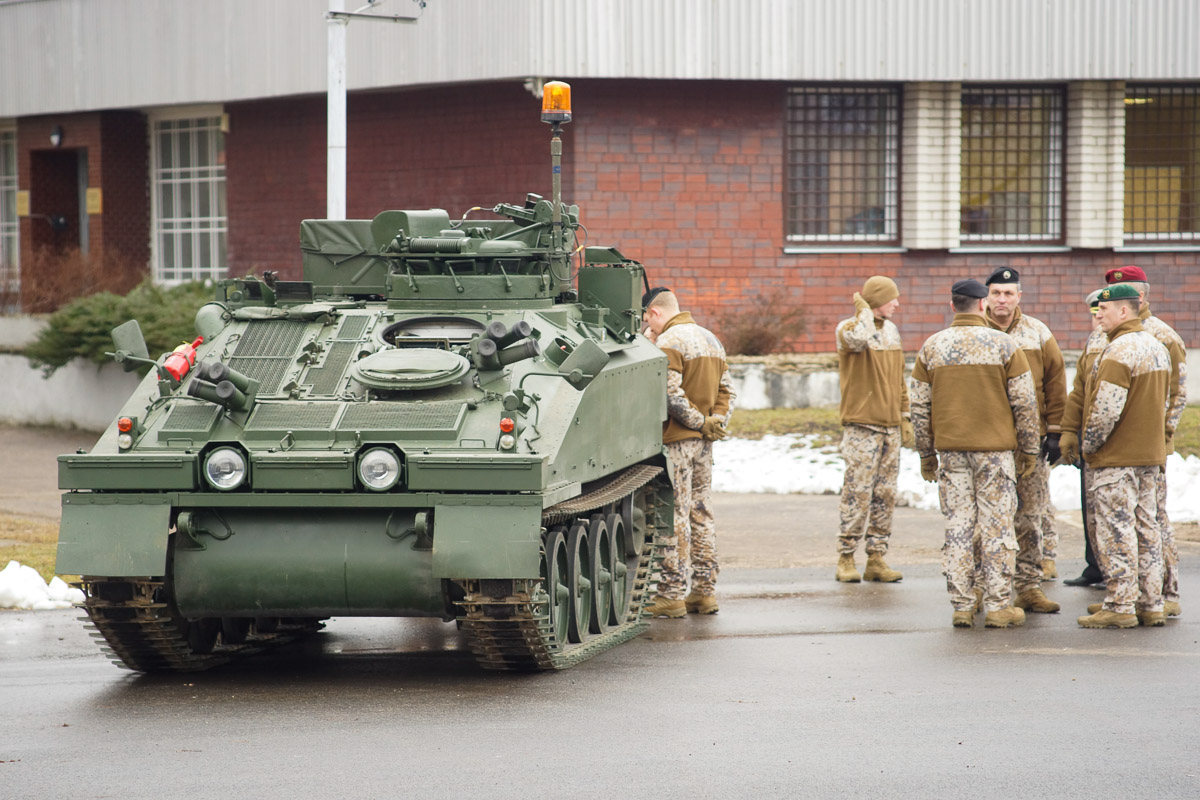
55,276
761,324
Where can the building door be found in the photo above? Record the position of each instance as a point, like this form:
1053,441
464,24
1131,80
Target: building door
57,181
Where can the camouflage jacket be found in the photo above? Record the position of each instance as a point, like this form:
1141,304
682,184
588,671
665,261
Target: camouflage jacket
1178,352
1046,365
1125,403
971,390
871,372
698,384
1072,418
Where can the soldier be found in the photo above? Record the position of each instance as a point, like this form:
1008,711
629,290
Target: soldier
1124,441
1164,333
1072,420
1050,384
699,404
973,405
874,412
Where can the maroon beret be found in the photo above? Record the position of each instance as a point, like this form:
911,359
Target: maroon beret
1122,274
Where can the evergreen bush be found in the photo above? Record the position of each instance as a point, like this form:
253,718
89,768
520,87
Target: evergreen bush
83,327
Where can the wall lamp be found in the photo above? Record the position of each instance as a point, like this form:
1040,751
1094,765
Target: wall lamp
56,136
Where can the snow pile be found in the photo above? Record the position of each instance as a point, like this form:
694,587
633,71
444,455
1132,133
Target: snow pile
23,587
789,464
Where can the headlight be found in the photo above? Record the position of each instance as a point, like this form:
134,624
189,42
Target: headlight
225,469
507,442
379,469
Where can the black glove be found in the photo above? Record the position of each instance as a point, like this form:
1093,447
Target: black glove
1050,449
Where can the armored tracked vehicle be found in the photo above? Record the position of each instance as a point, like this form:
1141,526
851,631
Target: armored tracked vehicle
439,420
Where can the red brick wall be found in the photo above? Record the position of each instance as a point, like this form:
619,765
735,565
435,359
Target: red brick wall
687,177
121,168
450,148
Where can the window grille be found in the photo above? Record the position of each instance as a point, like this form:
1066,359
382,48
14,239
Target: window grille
1011,165
10,269
1162,163
190,217
843,168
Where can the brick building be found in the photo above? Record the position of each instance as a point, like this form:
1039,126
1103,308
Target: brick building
756,156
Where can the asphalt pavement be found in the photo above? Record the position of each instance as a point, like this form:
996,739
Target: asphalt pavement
800,686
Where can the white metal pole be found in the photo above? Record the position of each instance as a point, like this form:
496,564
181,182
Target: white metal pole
335,176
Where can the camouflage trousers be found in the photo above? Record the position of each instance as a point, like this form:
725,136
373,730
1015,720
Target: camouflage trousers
694,547
869,487
978,494
1049,531
1033,498
1169,549
1128,542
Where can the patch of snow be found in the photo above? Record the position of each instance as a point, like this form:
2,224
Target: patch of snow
23,587
790,464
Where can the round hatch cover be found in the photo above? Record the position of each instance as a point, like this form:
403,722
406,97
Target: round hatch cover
405,368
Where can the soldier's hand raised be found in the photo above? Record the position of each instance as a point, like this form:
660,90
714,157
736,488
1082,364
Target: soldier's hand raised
860,304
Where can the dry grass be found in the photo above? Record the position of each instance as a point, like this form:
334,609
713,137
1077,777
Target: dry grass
33,542
824,423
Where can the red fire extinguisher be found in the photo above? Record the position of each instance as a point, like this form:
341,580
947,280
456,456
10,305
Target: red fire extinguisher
182,359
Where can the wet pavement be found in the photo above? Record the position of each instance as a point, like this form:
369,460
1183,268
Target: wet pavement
800,686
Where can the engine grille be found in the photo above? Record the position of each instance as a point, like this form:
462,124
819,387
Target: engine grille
266,350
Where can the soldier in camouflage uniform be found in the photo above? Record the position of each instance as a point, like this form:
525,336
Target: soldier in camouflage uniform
1050,384
1124,441
699,405
874,412
1164,333
1072,420
973,405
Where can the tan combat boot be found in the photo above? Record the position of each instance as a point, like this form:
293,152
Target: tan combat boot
1172,608
963,619
1151,619
846,572
878,570
701,603
1009,617
1049,571
666,607
1108,619
1035,600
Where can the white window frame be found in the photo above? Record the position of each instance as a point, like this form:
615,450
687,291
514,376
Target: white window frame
10,228
1160,238
890,222
202,237
1055,191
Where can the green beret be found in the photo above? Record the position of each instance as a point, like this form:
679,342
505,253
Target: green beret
1118,291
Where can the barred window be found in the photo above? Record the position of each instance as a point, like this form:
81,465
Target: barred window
10,270
843,164
1012,155
1162,163
189,214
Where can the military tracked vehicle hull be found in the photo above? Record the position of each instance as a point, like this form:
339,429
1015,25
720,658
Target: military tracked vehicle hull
436,422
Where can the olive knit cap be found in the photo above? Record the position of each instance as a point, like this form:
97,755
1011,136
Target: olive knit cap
879,290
